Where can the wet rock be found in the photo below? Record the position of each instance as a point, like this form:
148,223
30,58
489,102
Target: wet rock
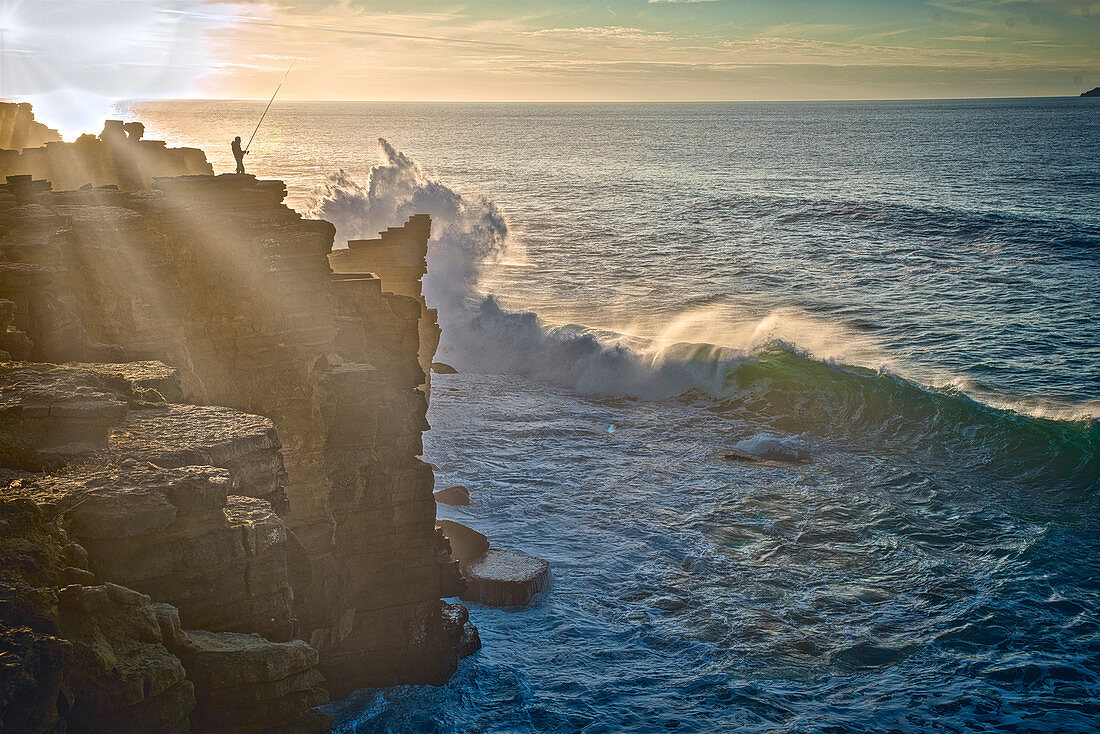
503,578
442,368
457,617
467,544
493,576
456,496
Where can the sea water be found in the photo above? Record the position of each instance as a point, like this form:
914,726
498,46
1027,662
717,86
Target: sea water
798,399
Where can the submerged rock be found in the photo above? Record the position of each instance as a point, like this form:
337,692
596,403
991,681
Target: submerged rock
503,578
767,449
457,496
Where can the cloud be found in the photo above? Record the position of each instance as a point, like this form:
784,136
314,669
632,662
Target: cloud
383,49
602,33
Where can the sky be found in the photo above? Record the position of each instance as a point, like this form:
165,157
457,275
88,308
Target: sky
68,55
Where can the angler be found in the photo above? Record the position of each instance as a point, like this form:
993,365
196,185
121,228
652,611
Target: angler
239,154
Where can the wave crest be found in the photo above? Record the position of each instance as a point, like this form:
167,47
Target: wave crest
788,367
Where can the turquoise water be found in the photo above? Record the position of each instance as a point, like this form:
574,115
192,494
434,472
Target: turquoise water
892,304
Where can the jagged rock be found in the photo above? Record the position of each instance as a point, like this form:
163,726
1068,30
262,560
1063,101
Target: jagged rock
19,129
87,658
457,618
442,368
115,158
74,575
503,578
456,495
398,257
244,682
467,544
51,415
140,379
215,276
177,535
107,659
13,342
191,435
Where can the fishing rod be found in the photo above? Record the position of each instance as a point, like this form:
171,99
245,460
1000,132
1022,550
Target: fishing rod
292,63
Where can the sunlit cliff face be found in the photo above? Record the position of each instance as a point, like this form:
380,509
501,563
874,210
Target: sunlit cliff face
74,58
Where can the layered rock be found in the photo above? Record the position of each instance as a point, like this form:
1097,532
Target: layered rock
101,656
245,683
398,258
216,277
78,658
178,536
502,578
497,577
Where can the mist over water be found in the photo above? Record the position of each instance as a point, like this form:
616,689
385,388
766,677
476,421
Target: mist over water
885,310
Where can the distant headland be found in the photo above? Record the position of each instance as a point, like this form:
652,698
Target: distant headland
1094,92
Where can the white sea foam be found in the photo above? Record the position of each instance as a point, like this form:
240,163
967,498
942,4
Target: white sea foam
645,359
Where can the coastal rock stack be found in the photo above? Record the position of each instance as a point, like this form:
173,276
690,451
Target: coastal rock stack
215,422
398,257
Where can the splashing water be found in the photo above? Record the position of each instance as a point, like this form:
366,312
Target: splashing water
844,296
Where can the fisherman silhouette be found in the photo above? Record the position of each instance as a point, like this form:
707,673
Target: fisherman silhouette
239,154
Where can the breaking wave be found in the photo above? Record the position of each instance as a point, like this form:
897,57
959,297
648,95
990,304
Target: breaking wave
792,370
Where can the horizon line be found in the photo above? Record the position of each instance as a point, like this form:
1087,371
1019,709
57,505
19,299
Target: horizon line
600,101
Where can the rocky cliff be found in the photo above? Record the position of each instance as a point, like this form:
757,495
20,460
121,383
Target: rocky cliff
117,157
19,129
213,422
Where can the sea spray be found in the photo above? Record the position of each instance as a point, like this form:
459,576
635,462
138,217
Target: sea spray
709,349
469,234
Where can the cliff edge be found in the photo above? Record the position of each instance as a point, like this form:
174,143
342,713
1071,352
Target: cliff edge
209,448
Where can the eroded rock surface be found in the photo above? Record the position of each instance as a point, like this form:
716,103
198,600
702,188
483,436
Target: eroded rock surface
237,431
248,684
177,535
502,578
499,578
78,658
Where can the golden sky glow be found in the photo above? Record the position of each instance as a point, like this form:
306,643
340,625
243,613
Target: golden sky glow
517,50
638,50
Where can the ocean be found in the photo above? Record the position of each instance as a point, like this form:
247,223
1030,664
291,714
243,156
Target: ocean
801,401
